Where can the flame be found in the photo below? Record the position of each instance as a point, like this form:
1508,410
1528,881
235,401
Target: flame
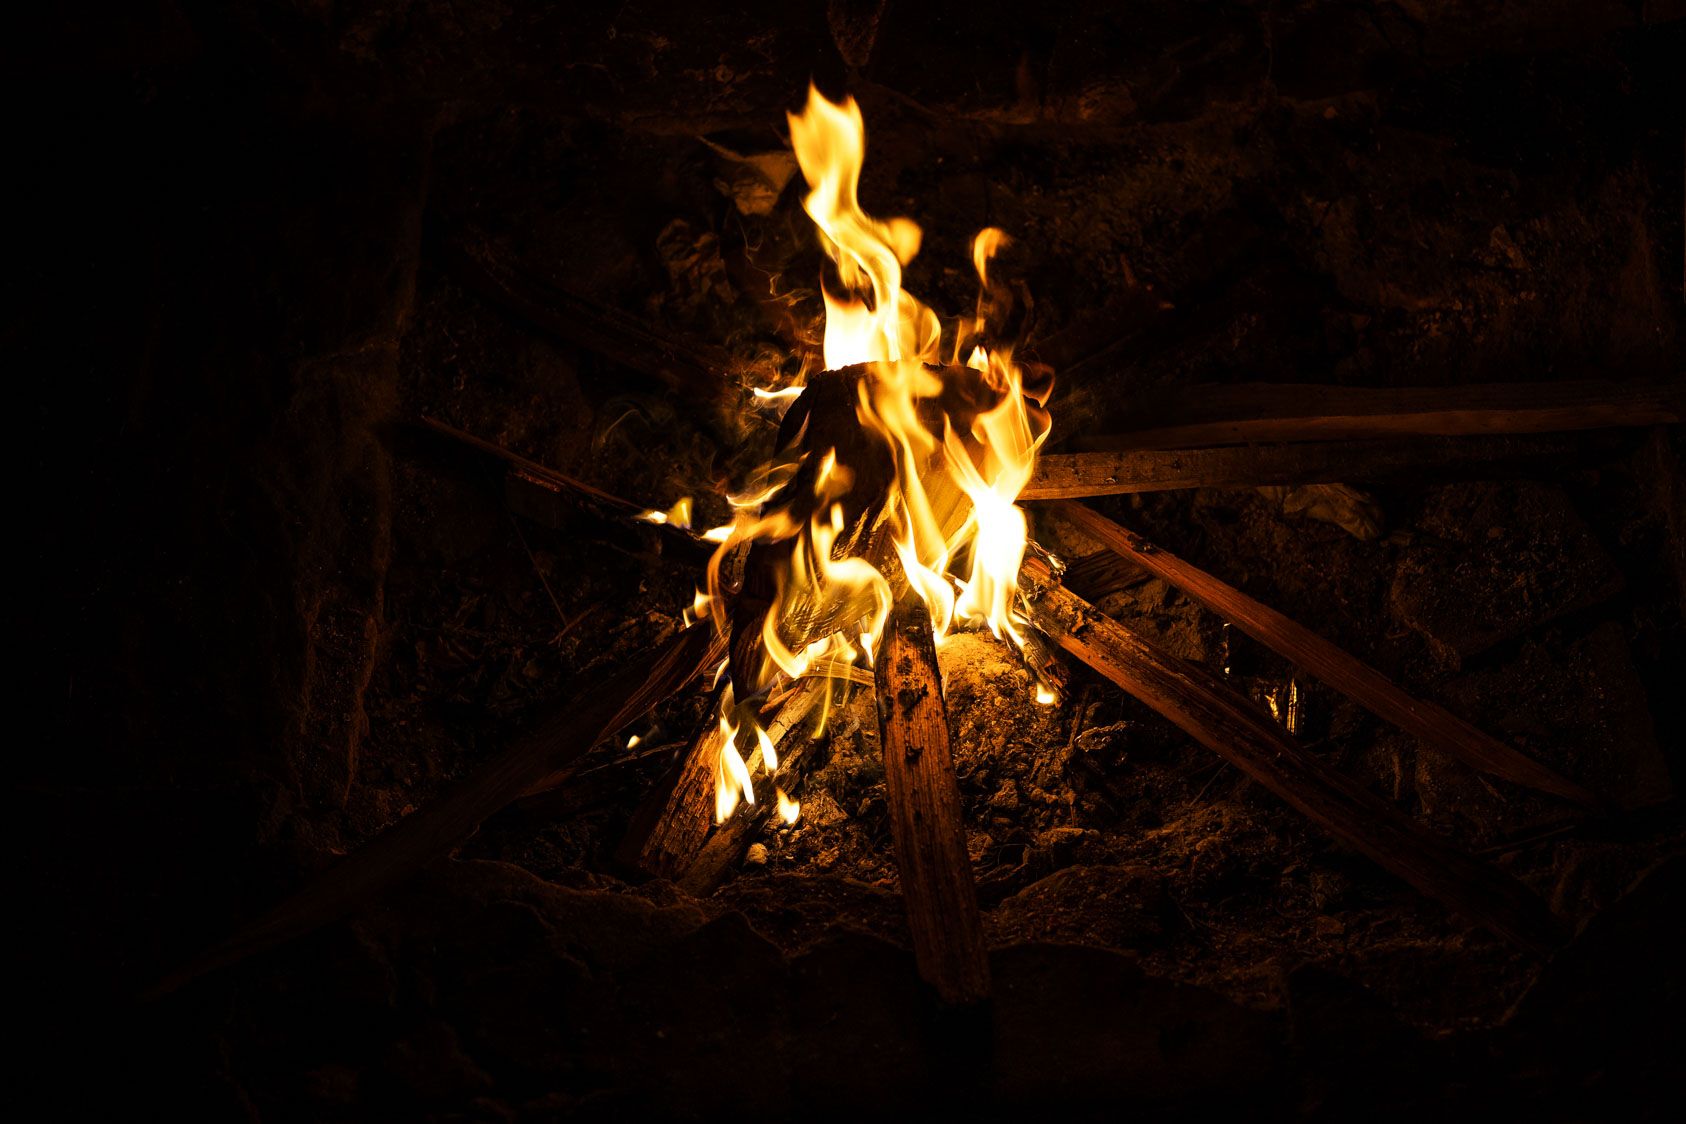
789,810
679,515
953,534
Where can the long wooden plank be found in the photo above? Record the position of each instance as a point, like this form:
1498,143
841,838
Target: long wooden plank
925,817
1346,673
1075,475
1235,730
573,728
1241,413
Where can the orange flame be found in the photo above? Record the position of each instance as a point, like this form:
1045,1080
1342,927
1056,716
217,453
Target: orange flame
953,496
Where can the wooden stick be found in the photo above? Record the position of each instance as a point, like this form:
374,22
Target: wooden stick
726,845
1075,475
1231,727
1341,670
925,821
692,369
1259,412
548,497
416,840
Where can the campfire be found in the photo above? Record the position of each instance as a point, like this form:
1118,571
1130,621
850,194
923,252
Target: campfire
661,561
888,520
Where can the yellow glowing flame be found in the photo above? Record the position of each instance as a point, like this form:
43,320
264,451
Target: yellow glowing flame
789,810
679,515
957,536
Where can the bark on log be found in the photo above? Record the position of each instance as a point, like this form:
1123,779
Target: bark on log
1231,727
1075,475
535,760
1346,673
691,369
925,818
1283,412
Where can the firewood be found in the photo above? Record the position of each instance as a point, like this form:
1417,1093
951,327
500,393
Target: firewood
408,845
1360,682
726,845
551,498
925,818
672,821
1265,412
1229,725
1075,475
691,369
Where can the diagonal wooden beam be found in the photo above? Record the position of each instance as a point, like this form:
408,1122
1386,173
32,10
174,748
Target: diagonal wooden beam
691,369
1230,726
404,848
1434,724
549,497
1246,413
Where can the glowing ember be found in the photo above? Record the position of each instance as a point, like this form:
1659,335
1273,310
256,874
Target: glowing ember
960,442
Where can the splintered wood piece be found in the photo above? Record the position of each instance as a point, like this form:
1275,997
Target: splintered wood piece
930,839
672,821
1075,475
1226,723
1259,412
1366,686
573,728
692,369
729,840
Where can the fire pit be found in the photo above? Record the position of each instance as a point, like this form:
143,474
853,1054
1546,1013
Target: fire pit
1100,563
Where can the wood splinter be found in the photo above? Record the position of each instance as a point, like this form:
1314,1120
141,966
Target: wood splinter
925,814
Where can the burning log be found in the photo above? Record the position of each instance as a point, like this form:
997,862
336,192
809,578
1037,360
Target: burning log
533,763
936,874
671,822
1352,677
1231,727
1266,412
729,840
1075,475
692,370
